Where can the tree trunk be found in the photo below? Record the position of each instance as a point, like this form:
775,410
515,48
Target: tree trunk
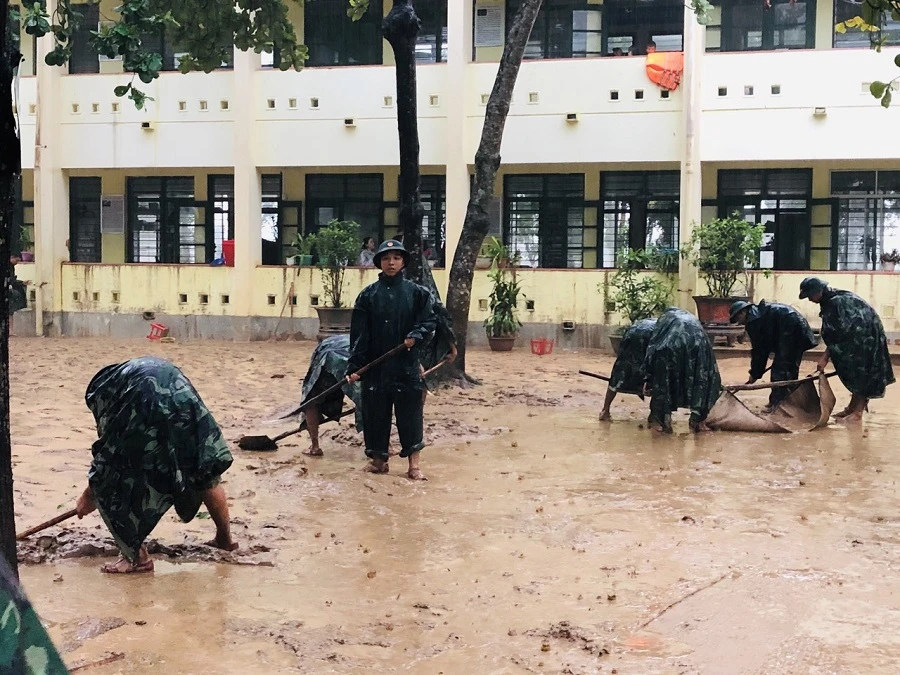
10,166
487,162
400,28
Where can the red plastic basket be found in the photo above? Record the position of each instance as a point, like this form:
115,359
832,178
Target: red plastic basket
541,346
157,331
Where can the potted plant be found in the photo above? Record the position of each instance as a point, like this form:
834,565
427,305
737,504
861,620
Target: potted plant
722,251
302,247
502,325
26,254
336,245
889,260
640,293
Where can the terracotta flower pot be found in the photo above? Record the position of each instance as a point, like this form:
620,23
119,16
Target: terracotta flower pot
333,321
715,310
502,344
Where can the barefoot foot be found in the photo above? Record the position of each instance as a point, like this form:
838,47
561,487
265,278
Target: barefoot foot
377,466
314,452
416,474
125,566
605,416
224,544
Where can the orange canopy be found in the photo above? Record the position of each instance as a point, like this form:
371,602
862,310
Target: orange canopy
665,69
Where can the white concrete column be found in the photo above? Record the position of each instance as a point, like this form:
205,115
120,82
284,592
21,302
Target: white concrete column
247,188
51,194
459,72
691,179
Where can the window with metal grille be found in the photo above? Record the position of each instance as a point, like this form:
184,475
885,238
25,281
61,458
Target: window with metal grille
84,219
853,37
433,190
779,199
22,220
166,224
563,29
333,39
750,25
84,57
358,197
164,43
431,42
868,217
632,25
639,210
544,219
220,197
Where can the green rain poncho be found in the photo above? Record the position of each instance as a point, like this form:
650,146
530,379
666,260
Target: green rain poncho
681,368
627,376
327,366
25,647
158,447
855,338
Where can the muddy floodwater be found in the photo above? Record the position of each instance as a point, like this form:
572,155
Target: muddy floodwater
544,541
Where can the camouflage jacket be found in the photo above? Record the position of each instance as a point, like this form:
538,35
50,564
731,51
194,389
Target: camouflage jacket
158,446
680,367
626,376
327,367
856,341
25,647
777,329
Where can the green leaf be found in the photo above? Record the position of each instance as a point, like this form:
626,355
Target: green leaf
886,99
122,89
877,89
897,60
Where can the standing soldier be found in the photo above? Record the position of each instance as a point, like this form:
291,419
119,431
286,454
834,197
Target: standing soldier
774,329
386,313
855,341
680,371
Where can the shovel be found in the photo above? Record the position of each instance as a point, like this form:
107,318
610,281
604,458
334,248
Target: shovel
56,520
605,378
264,443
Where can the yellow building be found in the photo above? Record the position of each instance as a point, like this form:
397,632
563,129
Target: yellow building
773,118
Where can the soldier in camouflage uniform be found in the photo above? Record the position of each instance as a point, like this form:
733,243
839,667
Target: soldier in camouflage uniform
855,341
680,371
327,366
776,329
25,647
158,447
626,374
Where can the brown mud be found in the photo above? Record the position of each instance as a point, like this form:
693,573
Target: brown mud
544,542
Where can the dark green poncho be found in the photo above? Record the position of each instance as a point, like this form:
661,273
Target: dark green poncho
327,366
627,376
25,647
855,338
158,446
681,367
18,295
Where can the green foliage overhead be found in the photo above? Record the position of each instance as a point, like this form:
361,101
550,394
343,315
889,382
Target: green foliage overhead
204,29
722,251
337,245
642,293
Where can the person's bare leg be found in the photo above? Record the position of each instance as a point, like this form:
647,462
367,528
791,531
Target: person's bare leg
313,418
217,505
414,472
144,563
604,413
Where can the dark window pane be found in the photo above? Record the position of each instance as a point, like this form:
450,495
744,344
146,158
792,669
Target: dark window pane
334,39
84,219
84,59
431,43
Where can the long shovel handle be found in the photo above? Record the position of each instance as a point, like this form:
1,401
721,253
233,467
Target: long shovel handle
772,385
302,427
328,392
605,378
49,523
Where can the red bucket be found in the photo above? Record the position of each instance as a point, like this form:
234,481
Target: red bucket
541,346
228,252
